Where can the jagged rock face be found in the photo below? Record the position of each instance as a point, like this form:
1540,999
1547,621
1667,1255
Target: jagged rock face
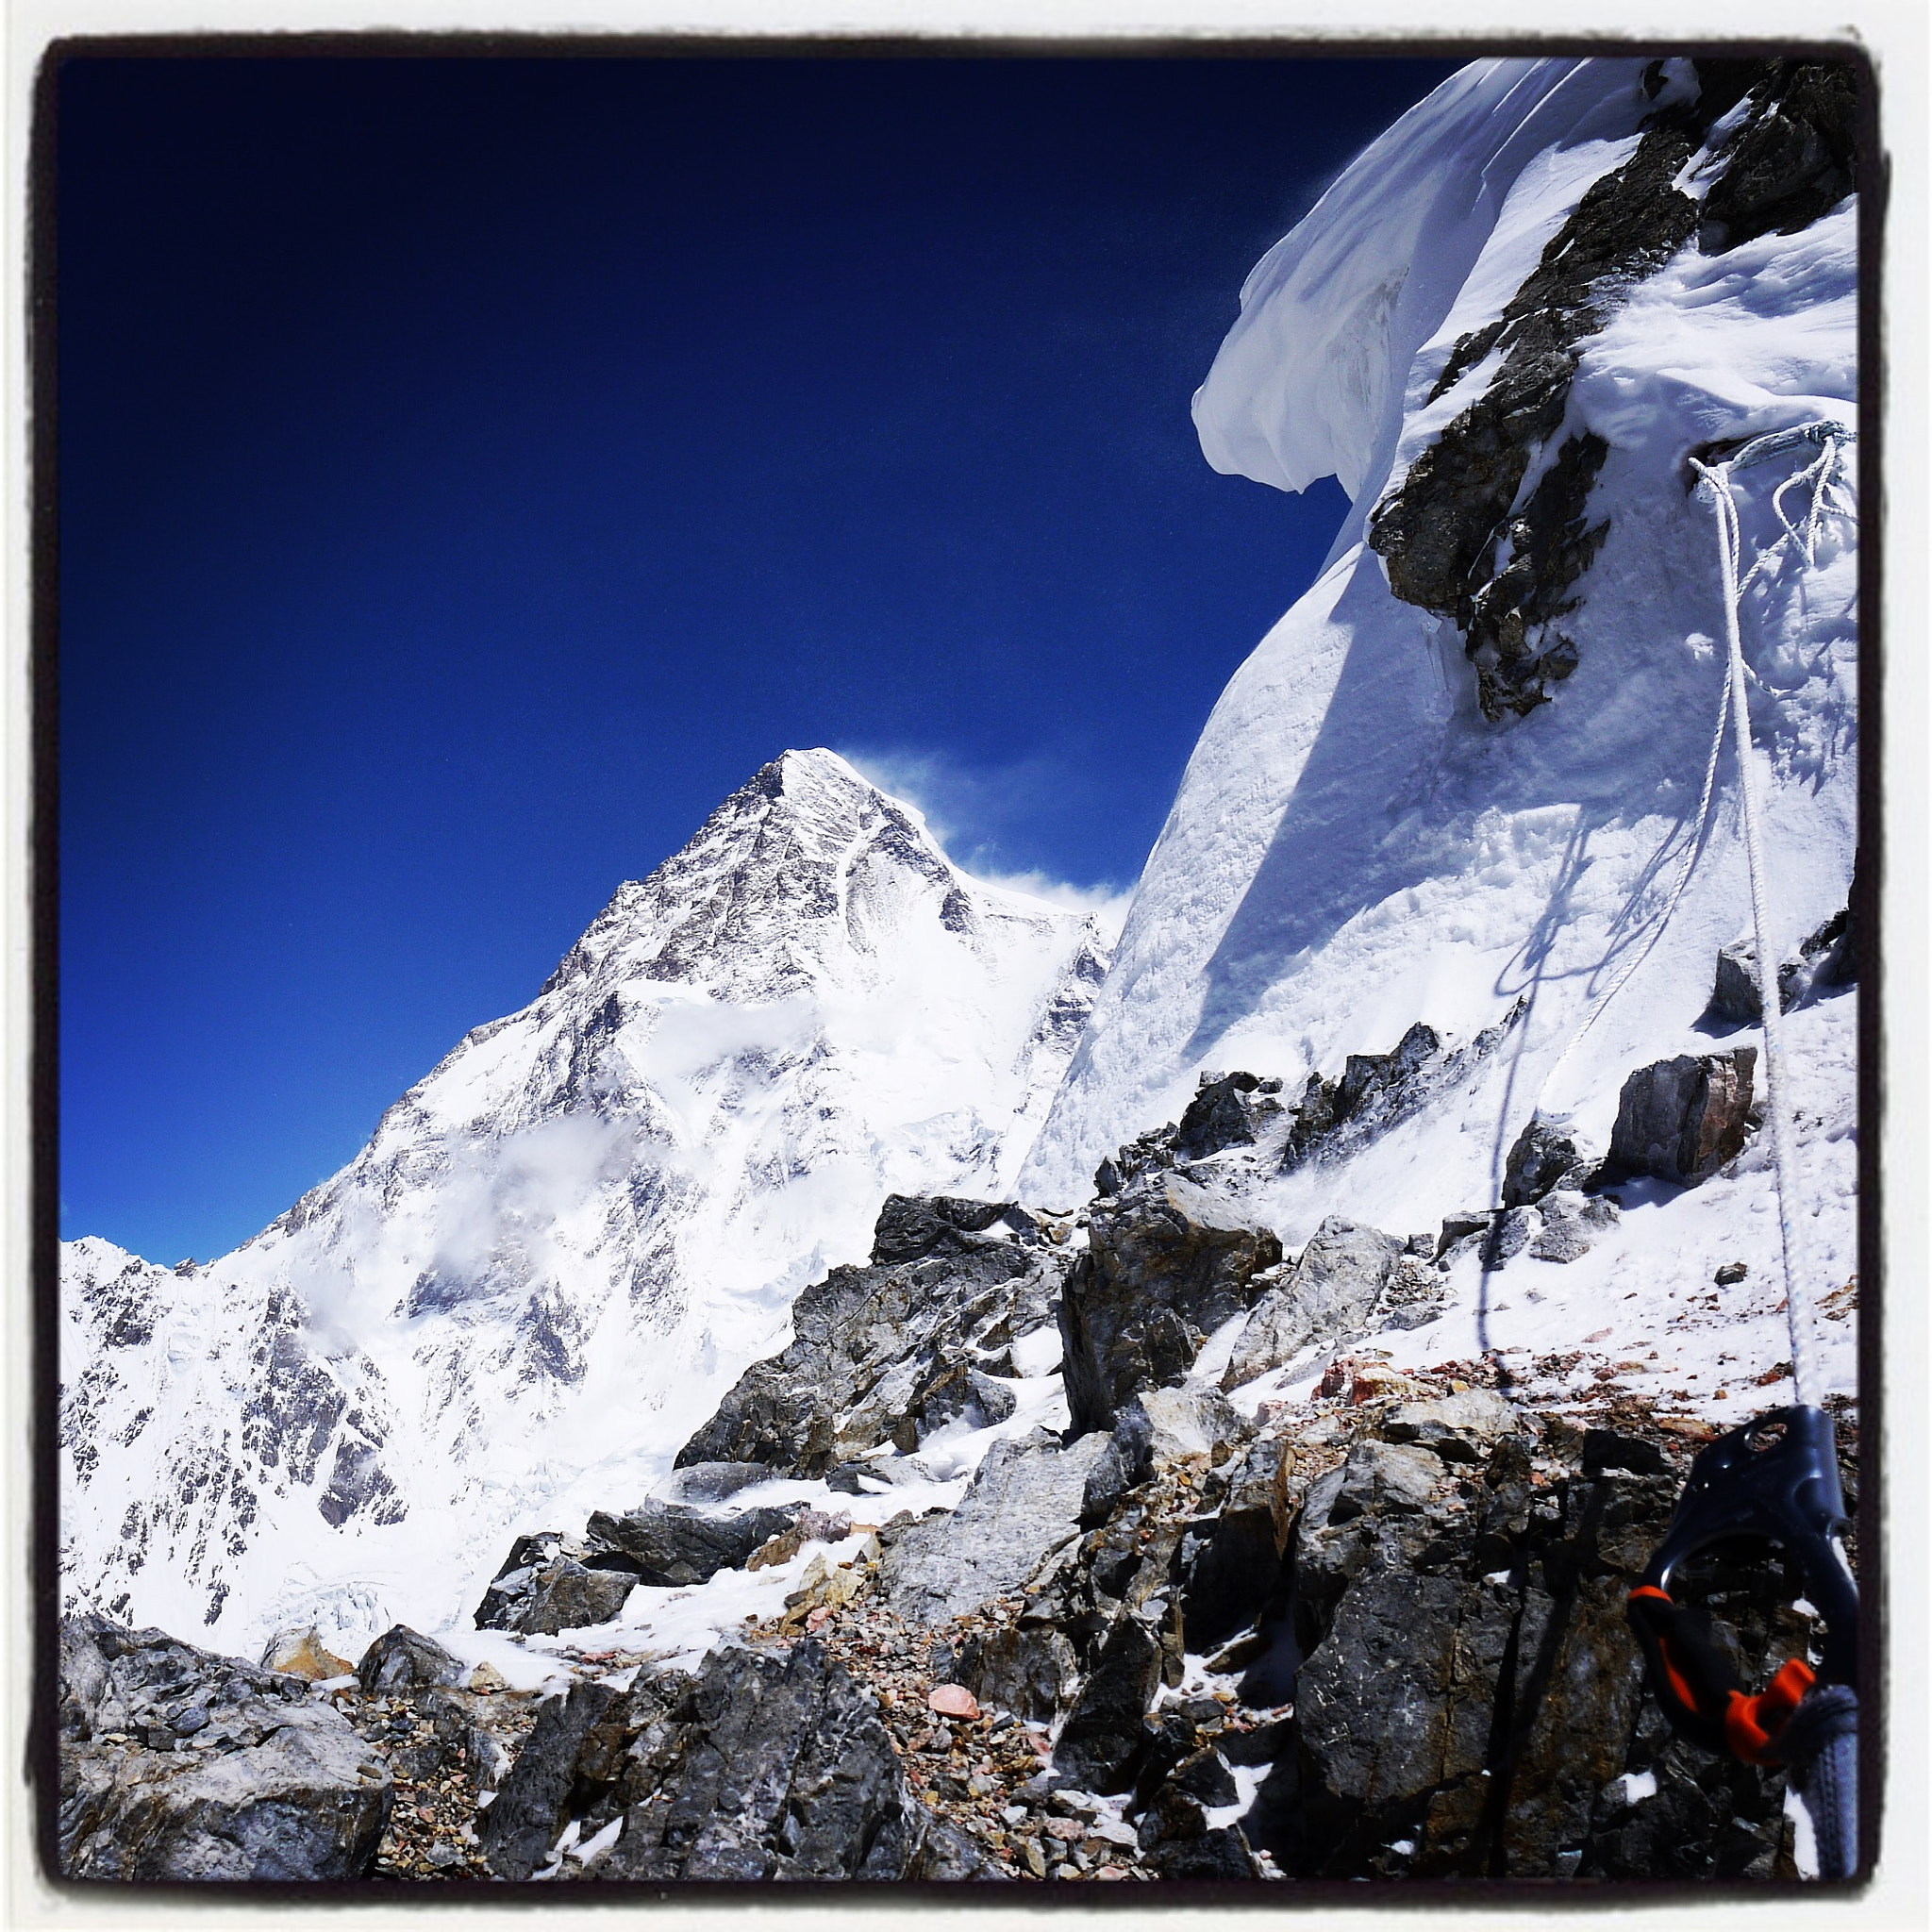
1327,1296
1023,1502
1166,1265
1232,1111
1500,325
1683,1117
1826,962
1472,1702
1544,1157
891,1352
178,1765
765,1766
1453,534
577,1229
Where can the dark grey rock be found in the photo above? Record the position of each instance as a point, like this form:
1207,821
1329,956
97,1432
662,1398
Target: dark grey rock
402,1659
911,1228
1023,1502
1230,1111
1466,1225
568,1596
1683,1119
1329,1296
1606,1449
1545,1155
509,1588
1375,1091
1124,1463
1453,534
714,1482
1511,1233
1232,1562
1204,1775
1100,1745
531,1806
1734,996
1572,1225
1029,1669
1386,1477
287,1793
1258,1745
1219,1853
947,1854
782,1769
890,1353
1469,1683
1165,1266
673,1547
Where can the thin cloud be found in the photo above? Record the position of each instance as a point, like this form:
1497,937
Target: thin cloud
973,812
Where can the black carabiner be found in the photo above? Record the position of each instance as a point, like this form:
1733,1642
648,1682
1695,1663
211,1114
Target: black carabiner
1776,1477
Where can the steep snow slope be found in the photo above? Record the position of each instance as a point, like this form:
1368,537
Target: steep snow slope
564,1244
1356,846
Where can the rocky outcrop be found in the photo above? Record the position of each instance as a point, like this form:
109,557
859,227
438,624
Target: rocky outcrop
1228,1111
673,1547
1327,1296
1457,534
767,1765
178,1765
1166,1263
1023,1502
1331,1118
1682,1119
1826,962
888,1353
1470,1701
403,1657
1545,1155
550,1582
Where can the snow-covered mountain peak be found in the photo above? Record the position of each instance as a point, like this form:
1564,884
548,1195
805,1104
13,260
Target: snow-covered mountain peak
564,1242
806,871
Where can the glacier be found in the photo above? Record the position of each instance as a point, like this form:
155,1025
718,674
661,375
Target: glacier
563,1244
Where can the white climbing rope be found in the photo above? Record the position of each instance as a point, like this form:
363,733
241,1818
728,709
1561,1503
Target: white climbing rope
1799,1315
1822,475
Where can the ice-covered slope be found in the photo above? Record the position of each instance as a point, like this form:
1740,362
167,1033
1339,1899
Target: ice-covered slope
1356,845
563,1244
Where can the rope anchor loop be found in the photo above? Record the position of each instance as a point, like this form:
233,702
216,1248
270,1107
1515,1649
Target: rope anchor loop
1776,1479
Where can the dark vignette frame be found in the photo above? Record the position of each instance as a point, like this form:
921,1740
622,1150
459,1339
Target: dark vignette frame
42,340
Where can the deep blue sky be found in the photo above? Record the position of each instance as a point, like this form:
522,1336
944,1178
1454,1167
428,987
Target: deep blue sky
471,471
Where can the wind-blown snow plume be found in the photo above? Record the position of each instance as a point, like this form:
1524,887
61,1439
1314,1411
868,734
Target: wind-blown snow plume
565,1242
